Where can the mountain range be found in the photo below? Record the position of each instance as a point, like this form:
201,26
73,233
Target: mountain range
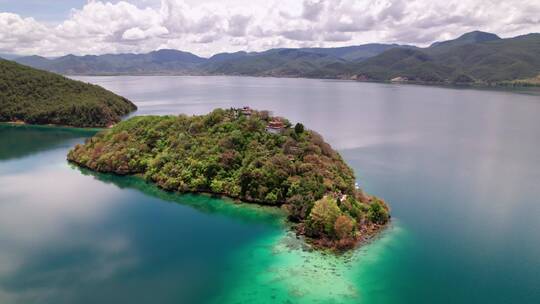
475,57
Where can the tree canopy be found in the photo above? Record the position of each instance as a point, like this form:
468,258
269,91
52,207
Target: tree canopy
39,97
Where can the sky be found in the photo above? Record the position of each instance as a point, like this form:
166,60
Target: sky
82,27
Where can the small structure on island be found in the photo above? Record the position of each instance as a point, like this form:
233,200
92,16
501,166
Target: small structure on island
276,125
399,79
247,111
360,77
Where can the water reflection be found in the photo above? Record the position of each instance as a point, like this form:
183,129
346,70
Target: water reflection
28,140
249,213
67,237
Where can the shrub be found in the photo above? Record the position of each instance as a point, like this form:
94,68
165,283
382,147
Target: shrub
323,216
344,226
377,213
299,128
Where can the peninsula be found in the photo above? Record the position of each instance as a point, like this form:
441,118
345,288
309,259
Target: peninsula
247,155
33,96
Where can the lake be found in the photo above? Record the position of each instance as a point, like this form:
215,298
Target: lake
460,169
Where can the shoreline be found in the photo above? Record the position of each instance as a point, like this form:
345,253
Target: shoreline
516,83
366,235
49,126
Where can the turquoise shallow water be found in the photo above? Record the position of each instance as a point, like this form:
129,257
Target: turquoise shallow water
460,169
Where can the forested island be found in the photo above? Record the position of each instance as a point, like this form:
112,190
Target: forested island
32,96
247,155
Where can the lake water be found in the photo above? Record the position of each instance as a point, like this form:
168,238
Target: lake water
459,167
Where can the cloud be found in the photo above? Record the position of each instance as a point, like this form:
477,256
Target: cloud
300,35
238,25
215,26
337,37
20,32
133,33
312,9
136,33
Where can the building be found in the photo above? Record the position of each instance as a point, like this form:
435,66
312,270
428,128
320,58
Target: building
247,111
275,126
399,79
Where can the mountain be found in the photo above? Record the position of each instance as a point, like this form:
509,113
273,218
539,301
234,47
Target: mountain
354,53
157,62
467,38
38,97
8,56
227,56
37,62
277,62
476,57
491,60
280,62
164,56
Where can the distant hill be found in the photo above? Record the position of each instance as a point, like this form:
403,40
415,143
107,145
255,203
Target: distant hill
38,97
467,38
476,57
227,56
490,61
9,56
280,62
37,62
354,53
303,62
157,62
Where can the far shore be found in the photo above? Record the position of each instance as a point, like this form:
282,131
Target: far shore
20,123
508,84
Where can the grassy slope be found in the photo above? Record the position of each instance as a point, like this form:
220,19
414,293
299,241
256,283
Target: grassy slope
40,97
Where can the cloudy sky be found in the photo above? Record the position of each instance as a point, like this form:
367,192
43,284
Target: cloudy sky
206,27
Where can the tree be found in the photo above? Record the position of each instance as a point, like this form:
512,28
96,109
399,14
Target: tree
299,128
344,226
377,213
323,216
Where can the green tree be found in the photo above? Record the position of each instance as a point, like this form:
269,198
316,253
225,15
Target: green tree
377,213
299,128
323,216
344,226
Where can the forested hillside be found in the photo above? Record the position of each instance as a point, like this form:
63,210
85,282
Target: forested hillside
487,60
38,97
474,58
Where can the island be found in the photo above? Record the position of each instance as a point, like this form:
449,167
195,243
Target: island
32,96
246,155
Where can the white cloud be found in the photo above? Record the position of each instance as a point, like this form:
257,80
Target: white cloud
312,9
136,33
238,25
214,26
20,32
